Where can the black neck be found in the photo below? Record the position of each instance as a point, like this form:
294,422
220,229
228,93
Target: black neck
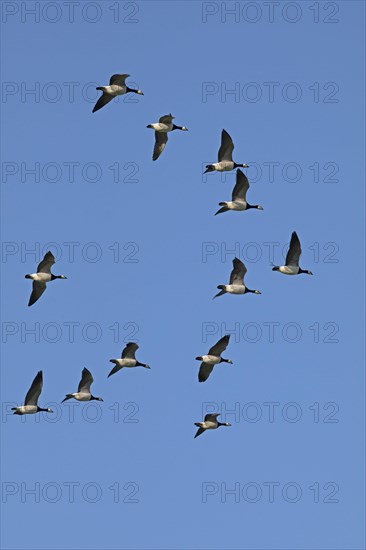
41,410
175,127
140,364
224,360
248,290
130,90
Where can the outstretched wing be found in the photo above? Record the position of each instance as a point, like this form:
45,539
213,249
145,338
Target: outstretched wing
199,432
46,263
35,390
38,290
118,79
221,210
227,147
161,139
241,186
166,119
129,350
294,250
220,346
204,372
238,272
85,382
103,100
211,417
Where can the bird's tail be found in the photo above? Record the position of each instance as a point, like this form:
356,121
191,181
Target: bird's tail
209,168
99,88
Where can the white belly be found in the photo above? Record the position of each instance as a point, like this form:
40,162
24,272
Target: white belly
115,90
223,166
41,277
127,362
210,359
27,409
81,396
289,269
162,127
236,205
235,289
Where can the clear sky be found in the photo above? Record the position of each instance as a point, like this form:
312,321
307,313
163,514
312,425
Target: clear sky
143,254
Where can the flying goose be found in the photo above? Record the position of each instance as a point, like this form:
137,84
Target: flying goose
83,393
225,157
31,399
238,201
117,86
236,285
291,266
42,276
213,358
210,423
162,128
127,359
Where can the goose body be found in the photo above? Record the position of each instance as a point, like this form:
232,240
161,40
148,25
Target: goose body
83,393
213,358
236,285
42,276
210,423
225,156
31,399
117,86
238,202
162,128
291,266
127,359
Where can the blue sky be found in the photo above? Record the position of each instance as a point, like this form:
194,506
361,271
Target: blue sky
143,258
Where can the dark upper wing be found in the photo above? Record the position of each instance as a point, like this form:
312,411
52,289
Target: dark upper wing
118,79
227,147
46,263
241,186
35,390
220,346
212,417
161,139
85,382
204,372
103,100
129,350
294,250
38,290
238,272
167,119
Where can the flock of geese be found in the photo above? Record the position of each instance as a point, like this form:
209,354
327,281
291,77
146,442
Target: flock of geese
117,86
